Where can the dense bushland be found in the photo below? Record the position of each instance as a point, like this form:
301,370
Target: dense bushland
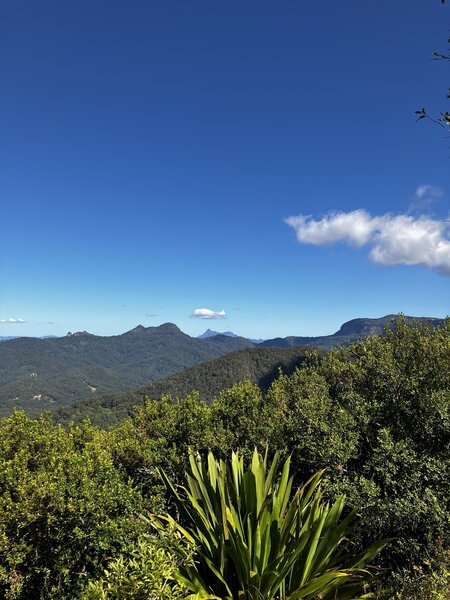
64,507
375,416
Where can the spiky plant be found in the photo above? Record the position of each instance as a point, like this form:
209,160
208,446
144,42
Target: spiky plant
257,541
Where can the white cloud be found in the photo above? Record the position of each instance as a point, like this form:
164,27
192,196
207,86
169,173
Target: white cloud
207,313
394,239
12,321
354,228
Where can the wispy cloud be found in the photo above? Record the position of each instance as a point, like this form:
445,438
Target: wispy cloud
393,239
424,197
207,313
9,321
428,191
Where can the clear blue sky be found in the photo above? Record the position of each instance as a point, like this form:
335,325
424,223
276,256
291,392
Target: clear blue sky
151,152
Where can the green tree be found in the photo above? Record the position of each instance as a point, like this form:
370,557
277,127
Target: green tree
64,507
239,418
308,425
159,435
397,388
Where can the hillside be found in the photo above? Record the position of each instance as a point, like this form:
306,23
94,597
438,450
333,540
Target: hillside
260,365
43,374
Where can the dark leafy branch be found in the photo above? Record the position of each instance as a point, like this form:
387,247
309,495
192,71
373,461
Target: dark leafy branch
444,119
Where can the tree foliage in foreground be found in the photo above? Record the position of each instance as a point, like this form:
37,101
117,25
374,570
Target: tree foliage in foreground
397,388
64,507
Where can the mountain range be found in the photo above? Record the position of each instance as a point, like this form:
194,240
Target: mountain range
5,338
47,374
349,332
38,374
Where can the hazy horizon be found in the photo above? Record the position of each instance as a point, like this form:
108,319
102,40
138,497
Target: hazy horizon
218,330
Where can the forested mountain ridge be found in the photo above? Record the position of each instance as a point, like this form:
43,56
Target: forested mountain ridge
349,332
46,374
38,374
259,365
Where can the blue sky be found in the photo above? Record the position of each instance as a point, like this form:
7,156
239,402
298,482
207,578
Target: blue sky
260,160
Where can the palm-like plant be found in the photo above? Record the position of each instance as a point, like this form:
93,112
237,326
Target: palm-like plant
256,542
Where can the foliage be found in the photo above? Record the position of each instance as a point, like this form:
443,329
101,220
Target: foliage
145,571
427,581
307,422
63,507
444,119
254,541
397,388
239,417
159,435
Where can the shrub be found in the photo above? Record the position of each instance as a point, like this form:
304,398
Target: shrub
255,541
64,507
144,572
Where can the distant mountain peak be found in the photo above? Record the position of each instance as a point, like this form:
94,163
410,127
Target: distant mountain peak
210,333
164,328
375,326
138,329
79,334
169,327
